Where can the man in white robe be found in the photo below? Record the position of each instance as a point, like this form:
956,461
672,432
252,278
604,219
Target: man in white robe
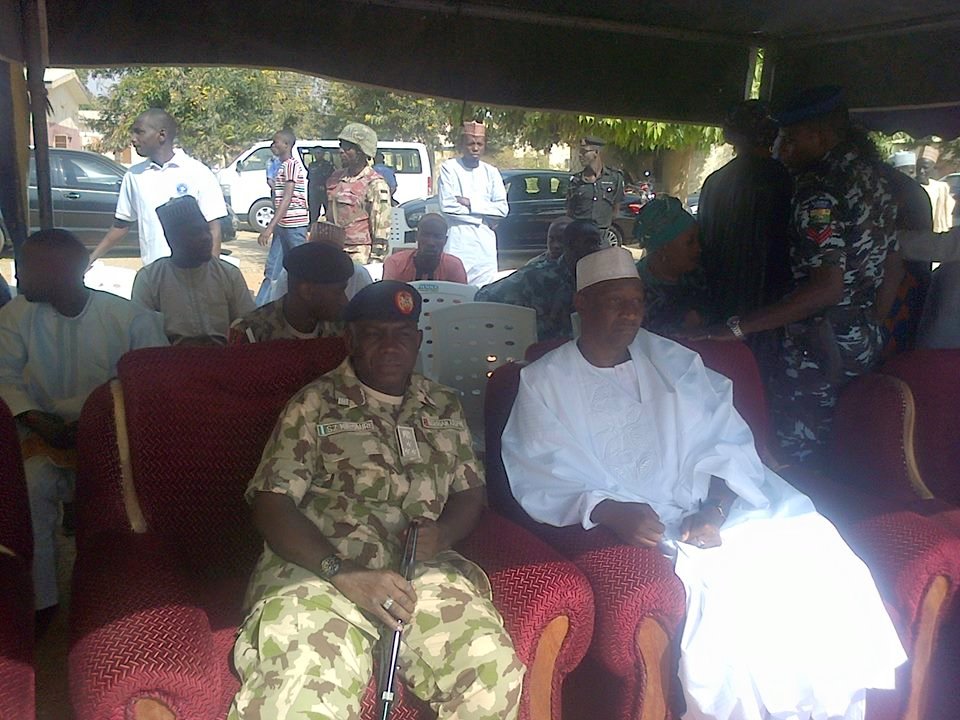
199,295
58,341
629,430
472,198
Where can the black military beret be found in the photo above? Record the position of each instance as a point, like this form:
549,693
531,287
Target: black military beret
810,103
318,263
387,300
181,215
595,141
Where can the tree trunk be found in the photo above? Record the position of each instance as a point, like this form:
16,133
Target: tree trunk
676,172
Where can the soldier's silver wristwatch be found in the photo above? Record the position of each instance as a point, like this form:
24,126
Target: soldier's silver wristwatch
734,324
330,566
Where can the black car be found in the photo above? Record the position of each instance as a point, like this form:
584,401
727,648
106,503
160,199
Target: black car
536,198
85,189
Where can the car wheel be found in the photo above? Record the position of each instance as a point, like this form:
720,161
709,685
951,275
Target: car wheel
612,236
260,214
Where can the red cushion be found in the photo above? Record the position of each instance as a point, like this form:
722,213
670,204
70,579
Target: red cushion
934,379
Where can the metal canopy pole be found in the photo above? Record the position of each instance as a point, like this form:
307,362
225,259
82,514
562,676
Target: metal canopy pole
35,37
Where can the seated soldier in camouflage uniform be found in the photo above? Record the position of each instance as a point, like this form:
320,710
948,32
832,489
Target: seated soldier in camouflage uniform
356,457
317,277
548,287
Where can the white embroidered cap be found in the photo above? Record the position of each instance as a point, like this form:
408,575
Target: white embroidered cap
609,264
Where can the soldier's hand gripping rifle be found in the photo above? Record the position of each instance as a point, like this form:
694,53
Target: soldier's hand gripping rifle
387,684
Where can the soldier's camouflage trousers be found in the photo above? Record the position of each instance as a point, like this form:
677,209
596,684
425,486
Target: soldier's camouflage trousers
309,653
803,397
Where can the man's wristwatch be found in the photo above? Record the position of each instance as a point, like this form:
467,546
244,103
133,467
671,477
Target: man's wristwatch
330,566
734,324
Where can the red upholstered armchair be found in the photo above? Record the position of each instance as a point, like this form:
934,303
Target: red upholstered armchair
165,546
16,585
633,657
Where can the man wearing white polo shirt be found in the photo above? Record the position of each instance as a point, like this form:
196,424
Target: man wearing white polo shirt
167,173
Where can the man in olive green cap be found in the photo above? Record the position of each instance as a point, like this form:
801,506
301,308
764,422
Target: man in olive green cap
358,198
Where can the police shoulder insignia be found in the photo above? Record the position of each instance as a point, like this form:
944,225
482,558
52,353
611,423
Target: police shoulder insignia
820,220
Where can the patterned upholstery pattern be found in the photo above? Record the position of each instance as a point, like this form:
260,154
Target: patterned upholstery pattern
155,614
16,586
934,381
906,552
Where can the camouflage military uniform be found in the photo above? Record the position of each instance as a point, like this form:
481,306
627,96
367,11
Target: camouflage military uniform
361,206
595,200
547,287
843,215
305,650
268,323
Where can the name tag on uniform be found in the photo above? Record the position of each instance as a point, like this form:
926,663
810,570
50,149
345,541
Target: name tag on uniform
327,429
441,423
409,447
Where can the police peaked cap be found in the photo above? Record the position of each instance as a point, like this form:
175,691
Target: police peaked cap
811,103
181,215
318,263
594,141
386,301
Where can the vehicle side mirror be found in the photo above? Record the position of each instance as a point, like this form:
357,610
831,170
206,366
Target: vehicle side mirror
239,166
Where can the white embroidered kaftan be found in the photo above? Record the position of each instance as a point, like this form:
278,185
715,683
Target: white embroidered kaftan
783,618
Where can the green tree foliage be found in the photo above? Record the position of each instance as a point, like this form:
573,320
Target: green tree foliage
394,116
223,110
220,110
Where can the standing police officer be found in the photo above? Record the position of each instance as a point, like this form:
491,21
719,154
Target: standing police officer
842,226
595,193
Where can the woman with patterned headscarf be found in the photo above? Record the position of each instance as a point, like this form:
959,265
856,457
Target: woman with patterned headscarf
675,295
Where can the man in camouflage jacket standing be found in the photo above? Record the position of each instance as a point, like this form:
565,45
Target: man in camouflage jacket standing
842,226
356,457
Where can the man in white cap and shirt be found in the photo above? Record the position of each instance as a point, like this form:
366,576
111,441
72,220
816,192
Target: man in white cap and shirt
629,430
472,198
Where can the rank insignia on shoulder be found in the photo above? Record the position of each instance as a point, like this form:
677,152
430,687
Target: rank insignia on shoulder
328,429
820,235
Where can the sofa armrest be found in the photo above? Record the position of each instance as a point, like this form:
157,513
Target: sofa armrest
872,442
631,585
546,603
137,634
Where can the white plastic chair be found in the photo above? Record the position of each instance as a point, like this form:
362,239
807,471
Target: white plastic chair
471,340
437,294
397,238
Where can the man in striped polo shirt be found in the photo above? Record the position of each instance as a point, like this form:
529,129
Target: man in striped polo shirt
291,216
